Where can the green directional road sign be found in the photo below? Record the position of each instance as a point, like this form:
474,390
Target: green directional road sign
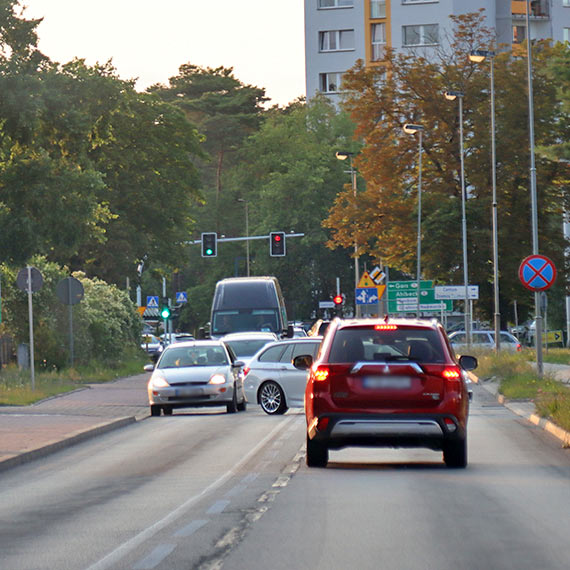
402,298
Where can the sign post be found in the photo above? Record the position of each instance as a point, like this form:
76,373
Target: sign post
30,279
70,292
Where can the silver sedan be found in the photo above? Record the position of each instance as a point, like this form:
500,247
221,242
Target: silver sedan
196,373
272,381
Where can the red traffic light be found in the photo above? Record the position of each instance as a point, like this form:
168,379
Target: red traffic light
337,299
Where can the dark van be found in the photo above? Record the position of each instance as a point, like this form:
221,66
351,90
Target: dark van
244,304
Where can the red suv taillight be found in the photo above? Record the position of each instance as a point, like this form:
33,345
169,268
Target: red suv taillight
451,373
321,373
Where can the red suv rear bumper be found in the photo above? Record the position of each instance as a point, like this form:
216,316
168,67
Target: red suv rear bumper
386,430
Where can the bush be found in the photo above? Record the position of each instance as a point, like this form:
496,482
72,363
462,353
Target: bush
105,323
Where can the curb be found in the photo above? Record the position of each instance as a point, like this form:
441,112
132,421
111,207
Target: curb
536,420
67,442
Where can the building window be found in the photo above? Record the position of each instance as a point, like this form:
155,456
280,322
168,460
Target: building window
419,1
565,2
519,34
566,35
330,82
336,3
378,41
377,8
422,35
336,40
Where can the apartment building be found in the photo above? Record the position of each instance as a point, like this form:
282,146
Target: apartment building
339,32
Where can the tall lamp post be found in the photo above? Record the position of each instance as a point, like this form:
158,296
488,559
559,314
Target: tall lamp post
479,56
452,96
411,129
343,155
246,233
533,195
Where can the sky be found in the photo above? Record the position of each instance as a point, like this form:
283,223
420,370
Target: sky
263,40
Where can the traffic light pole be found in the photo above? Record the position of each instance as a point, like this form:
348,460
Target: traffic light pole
287,236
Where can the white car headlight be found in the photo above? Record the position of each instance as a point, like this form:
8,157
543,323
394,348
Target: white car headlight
159,381
217,379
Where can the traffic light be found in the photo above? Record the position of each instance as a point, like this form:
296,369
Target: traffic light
209,244
338,300
164,309
277,244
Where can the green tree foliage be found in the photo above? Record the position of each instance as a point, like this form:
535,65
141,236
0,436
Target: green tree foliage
92,174
384,219
225,111
288,174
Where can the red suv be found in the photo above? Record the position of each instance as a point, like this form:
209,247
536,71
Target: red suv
386,383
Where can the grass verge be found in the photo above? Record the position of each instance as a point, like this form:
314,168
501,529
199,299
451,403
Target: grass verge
16,385
518,380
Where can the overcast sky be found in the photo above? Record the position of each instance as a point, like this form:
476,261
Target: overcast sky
263,40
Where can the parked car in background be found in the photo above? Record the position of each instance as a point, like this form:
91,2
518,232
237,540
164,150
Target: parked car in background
176,337
299,332
319,328
272,381
246,344
152,345
386,383
485,339
196,373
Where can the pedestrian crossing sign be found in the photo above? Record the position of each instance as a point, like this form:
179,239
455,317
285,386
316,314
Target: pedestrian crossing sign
152,302
181,297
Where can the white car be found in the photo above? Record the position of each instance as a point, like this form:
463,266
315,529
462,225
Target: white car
485,339
272,381
246,344
196,373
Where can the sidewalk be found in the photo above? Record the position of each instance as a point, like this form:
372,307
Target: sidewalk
28,432
527,409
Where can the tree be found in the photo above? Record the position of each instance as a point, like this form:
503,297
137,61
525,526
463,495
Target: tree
225,111
383,218
289,175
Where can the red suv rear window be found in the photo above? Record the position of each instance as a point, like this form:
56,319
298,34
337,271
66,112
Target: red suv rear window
369,344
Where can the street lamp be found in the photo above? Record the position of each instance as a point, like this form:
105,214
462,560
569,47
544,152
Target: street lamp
478,56
411,129
246,234
343,155
452,96
533,192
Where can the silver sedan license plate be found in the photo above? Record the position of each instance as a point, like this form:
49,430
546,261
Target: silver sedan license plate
394,382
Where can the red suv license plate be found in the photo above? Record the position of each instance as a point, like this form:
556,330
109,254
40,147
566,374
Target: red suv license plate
393,382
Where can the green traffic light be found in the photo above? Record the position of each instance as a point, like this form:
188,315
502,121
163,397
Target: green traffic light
165,313
209,251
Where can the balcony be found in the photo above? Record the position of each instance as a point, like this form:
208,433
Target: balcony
539,9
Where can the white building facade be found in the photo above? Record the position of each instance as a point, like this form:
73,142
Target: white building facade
339,32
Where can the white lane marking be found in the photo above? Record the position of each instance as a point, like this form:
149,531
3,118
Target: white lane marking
250,477
190,529
217,507
133,543
237,490
155,557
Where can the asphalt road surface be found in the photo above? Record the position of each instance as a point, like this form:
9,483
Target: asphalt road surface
203,489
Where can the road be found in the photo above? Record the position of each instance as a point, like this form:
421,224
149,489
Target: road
208,490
